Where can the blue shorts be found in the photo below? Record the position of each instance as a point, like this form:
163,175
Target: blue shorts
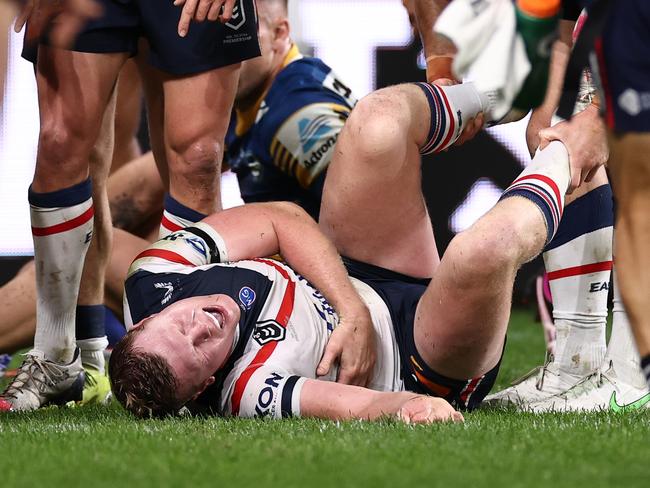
623,53
401,294
207,46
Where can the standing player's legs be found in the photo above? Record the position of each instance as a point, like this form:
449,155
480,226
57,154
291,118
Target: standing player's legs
74,89
195,128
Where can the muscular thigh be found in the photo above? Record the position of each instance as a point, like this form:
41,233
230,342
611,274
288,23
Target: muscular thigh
373,207
74,89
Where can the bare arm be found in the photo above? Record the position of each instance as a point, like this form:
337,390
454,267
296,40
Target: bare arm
259,230
541,116
335,401
438,50
66,18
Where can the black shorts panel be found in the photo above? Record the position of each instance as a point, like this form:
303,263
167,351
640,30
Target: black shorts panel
207,46
401,294
623,53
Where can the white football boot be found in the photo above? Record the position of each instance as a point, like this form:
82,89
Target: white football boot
41,382
600,391
541,383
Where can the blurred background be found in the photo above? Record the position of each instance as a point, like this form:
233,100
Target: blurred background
369,44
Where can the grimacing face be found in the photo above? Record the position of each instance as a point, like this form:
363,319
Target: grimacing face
195,336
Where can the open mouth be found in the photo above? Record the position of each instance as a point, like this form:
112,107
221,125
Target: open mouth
215,315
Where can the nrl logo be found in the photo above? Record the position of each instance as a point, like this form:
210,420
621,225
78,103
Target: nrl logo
267,331
238,16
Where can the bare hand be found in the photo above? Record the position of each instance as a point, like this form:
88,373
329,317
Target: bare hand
439,68
71,16
586,142
201,10
426,410
352,346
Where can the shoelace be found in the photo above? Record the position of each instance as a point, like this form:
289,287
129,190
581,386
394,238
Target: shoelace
596,379
548,360
29,371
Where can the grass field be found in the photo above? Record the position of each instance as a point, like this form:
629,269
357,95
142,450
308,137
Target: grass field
105,447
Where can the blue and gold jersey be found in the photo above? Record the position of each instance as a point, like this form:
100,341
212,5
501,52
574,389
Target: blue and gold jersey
281,148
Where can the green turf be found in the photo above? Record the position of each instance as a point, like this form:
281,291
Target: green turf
105,447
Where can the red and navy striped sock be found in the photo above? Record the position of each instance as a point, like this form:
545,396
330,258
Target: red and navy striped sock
177,216
544,182
450,107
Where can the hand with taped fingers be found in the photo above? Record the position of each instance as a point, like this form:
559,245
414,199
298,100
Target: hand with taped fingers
202,10
352,346
423,409
67,17
473,126
585,139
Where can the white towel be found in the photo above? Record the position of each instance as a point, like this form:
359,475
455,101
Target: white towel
490,51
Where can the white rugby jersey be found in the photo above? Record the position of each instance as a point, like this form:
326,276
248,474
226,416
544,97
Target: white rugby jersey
283,330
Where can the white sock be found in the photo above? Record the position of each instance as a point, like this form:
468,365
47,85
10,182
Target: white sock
92,352
622,350
578,262
62,226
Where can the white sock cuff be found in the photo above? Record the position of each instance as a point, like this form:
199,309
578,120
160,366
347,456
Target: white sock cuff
94,344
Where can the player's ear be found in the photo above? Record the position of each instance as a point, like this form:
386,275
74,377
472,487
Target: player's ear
281,32
205,384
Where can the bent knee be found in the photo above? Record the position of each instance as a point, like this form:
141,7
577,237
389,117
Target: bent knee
200,157
479,255
379,126
63,150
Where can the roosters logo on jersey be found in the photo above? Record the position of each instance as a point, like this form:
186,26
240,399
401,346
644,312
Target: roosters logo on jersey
267,331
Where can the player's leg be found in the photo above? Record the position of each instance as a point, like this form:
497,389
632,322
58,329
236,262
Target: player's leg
373,208
578,261
127,116
74,89
201,75
630,171
90,331
136,196
152,84
462,317
624,67
194,144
